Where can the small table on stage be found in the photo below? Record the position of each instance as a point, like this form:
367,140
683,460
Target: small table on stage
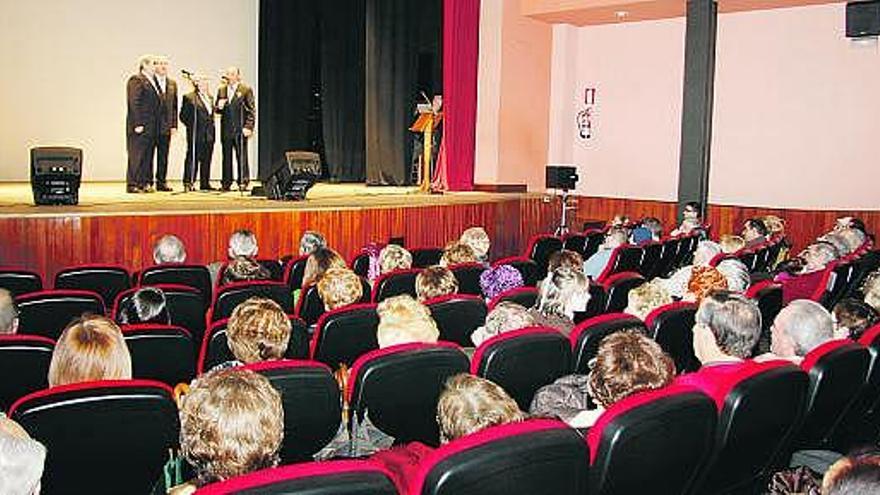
425,125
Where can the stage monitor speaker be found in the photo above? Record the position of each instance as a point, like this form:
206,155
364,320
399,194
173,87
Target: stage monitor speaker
56,173
863,19
561,177
293,179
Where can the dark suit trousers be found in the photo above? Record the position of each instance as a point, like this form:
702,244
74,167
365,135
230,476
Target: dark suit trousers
140,160
162,144
202,167
239,146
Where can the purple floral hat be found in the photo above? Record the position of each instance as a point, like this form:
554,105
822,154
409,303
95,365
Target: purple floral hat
494,281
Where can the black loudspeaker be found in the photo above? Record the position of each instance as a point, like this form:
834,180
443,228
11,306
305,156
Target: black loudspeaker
293,179
55,175
863,19
561,177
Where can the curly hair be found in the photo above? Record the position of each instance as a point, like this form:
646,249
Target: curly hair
402,320
318,263
231,423
340,287
504,317
628,362
646,298
258,331
478,240
494,281
565,258
705,279
457,252
469,404
435,281
91,348
393,257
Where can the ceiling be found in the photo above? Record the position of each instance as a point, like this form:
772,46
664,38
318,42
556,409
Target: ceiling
592,12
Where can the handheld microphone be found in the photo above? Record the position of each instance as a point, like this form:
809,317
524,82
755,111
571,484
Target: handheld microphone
187,74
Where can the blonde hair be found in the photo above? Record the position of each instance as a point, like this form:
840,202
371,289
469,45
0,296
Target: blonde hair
91,348
469,404
478,240
340,287
231,423
258,331
504,317
318,263
646,298
21,460
457,252
403,320
560,289
435,281
393,257
730,243
774,224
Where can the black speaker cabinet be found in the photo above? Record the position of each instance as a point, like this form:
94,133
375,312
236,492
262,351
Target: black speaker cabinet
863,19
55,175
561,177
293,178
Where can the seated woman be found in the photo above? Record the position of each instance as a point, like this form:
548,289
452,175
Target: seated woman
231,423
567,258
456,253
89,349
731,243
627,362
504,317
808,273
393,257
403,320
435,281
478,240
258,330
677,284
852,317
21,460
564,293
871,290
317,264
646,298
311,241
244,269
147,305
703,281
340,287
500,279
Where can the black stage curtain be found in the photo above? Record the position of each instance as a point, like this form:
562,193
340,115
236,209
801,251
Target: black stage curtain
342,77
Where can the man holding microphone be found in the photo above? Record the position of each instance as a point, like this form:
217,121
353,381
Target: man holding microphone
197,114
235,104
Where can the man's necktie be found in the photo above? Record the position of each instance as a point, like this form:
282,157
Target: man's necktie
158,86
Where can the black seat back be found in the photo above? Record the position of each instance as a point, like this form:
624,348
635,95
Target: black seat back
105,280
215,347
19,282
468,276
587,335
540,248
651,253
425,257
24,361
294,269
574,242
395,283
124,426
457,316
672,326
617,289
48,312
195,276
184,304
524,296
400,386
527,268
231,295
343,335
164,353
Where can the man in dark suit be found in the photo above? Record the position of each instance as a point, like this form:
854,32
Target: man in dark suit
197,114
167,120
141,126
235,104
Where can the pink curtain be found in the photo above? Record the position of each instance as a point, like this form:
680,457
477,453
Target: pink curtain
461,41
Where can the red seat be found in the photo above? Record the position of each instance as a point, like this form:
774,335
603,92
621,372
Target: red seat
395,283
522,361
768,295
652,442
574,241
24,362
19,282
617,289
672,326
345,334
106,280
184,304
293,272
525,458
539,249
400,386
524,296
587,335
164,353
313,478
48,312
195,276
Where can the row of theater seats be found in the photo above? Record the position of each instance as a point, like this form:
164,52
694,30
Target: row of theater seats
699,435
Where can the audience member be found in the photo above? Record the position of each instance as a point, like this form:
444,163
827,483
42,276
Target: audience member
469,404
456,253
690,219
497,280
626,363
169,249
736,273
435,281
404,320
754,232
834,238
853,238
704,279
258,330
619,221
726,329
91,348
146,305
814,259
567,258
851,318
310,242
799,328
597,263
775,225
871,289
640,236
244,269
21,460
853,475
564,293
318,263
646,298
8,313
394,257
340,287
242,244
504,317
478,240
654,227
231,423
677,284
731,243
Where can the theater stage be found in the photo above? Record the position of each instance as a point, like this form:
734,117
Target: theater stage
110,226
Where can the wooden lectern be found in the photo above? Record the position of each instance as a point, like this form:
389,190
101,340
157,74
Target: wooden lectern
425,125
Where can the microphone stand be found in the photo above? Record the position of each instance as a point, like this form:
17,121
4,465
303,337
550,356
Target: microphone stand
241,150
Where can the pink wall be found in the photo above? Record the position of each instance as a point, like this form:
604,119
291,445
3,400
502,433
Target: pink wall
513,96
637,70
797,112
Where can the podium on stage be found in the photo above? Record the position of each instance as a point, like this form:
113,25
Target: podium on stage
426,124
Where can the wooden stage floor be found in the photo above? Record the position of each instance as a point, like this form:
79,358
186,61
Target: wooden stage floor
112,227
